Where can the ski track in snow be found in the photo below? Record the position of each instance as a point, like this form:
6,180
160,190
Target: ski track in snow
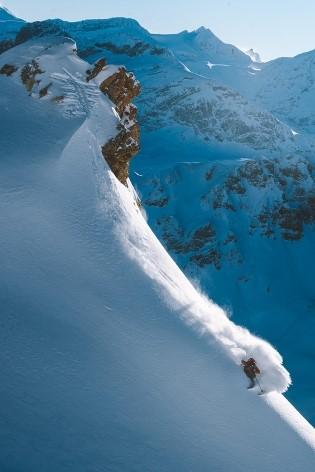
80,97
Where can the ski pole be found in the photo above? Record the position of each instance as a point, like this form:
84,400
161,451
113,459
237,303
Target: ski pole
261,390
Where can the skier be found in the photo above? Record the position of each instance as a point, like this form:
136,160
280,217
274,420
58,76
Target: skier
251,370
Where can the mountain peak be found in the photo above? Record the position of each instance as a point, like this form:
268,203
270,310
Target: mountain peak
201,29
205,38
218,51
204,32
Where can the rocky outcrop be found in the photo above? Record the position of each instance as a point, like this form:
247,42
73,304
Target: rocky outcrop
121,88
238,205
6,44
119,151
29,73
162,202
136,49
291,220
213,257
40,29
116,83
44,91
8,70
177,241
97,68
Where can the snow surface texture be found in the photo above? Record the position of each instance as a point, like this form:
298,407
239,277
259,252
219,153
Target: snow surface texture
99,372
205,103
75,96
193,113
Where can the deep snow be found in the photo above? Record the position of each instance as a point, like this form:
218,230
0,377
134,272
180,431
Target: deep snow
99,371
186,118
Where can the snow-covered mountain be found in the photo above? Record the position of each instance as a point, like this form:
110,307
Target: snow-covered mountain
182,93
102,357
285,86
202,108
228,189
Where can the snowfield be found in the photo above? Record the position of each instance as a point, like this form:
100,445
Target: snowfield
111,359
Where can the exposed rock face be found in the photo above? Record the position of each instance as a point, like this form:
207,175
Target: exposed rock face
8,70
98,67
136,49
121,88
44,91
38,29
238,204
182,243
119,151
6,44
29,73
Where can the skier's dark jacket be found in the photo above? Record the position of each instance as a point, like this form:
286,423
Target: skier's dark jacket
250,368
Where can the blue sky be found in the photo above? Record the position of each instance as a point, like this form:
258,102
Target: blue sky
272,27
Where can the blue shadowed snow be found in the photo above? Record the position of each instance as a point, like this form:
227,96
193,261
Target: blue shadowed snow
100,371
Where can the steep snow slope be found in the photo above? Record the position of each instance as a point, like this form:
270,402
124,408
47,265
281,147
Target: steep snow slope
191,113
100,372
245,230
285,86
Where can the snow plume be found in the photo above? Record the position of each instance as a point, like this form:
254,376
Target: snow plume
192,306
